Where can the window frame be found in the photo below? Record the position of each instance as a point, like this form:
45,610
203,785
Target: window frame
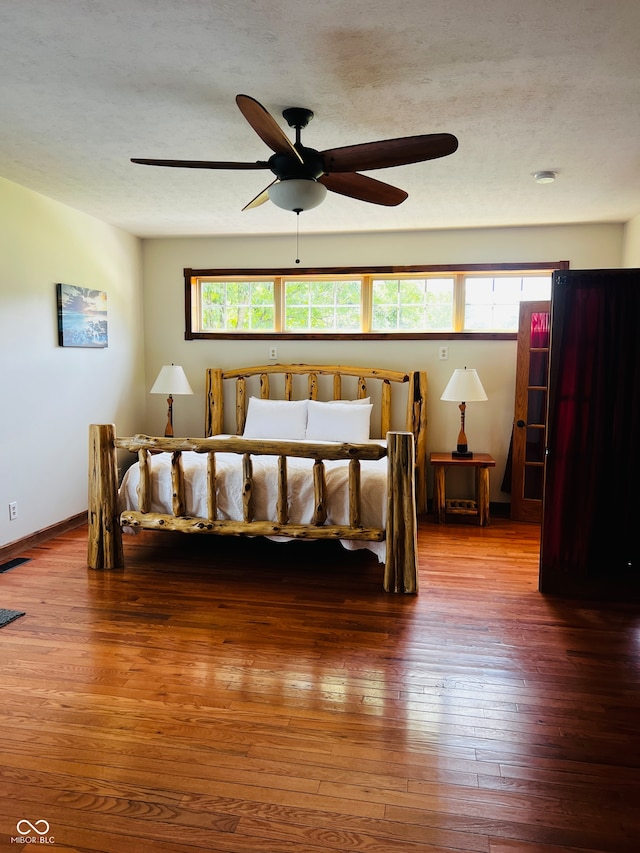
191,275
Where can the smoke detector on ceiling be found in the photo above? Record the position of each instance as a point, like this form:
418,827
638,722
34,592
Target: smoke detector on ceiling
545,177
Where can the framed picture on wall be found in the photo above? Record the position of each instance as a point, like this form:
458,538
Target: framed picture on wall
82,316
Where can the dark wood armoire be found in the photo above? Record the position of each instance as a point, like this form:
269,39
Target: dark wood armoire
590,543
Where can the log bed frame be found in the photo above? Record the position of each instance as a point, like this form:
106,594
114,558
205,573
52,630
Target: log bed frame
406,469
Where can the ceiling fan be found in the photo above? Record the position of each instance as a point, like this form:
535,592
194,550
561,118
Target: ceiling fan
303,175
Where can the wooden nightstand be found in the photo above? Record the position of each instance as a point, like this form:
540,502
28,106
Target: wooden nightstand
480,507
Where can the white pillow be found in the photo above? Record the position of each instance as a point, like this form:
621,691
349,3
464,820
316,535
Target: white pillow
286,419
338,421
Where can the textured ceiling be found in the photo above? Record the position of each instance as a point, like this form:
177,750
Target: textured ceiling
525,85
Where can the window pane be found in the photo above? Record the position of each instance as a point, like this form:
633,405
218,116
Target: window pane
213,317
438,317
536,288
213,292
348,318
412,304
237,305
505,289
297,294
262,318
384,318
322,306
411,318
478,317
298,318
479,291
505,317
493,303
321,318
349,293
533,482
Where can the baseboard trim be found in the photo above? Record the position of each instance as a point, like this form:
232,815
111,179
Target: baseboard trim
40,536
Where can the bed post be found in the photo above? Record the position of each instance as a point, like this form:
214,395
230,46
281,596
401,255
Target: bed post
401,565
417,423
104,549
214,412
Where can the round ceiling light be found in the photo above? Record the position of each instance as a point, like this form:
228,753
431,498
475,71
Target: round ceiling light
546,177
297,194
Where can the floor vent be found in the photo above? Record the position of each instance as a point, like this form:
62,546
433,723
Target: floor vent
11,564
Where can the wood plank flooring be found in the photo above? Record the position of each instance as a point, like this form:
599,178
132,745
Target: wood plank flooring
243,696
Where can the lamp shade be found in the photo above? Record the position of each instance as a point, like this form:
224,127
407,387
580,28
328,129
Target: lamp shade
171,380
464,386
297,194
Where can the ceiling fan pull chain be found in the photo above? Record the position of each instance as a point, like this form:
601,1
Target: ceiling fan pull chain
297,236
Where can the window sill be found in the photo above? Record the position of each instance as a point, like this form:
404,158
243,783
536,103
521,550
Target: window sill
352,336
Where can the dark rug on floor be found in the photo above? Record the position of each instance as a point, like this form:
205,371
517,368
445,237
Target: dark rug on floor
7,616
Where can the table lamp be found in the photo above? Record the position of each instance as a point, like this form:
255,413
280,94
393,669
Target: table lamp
464,386
171,380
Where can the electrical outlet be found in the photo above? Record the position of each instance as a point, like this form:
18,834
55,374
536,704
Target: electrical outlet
444,353
273,352
13,510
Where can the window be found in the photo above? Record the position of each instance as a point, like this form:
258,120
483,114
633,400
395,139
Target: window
410,304
237,305
359,303
493,302
319,306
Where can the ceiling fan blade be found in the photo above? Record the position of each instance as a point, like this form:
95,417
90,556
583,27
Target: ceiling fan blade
266,126
201,164
389,152
260,198
363,188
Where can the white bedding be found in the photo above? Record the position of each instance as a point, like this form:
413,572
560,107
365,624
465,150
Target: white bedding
300,490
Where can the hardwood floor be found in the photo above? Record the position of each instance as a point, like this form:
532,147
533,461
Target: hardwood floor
243,696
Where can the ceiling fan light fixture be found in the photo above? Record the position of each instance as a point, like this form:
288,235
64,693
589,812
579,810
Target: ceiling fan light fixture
297,194
545,177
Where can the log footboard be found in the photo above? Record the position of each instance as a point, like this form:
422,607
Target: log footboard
105,550
105,534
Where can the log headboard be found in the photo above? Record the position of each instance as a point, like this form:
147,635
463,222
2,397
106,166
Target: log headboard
299,381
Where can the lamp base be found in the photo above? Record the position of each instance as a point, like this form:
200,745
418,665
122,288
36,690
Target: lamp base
462,454
168,432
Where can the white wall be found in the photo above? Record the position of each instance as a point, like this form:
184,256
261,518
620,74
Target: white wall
50,394
631,254
489,424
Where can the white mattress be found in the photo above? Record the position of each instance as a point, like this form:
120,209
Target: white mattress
300,490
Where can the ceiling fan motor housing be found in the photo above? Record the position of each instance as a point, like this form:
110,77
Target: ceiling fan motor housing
285,166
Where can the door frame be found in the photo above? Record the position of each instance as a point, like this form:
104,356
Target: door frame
523,508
